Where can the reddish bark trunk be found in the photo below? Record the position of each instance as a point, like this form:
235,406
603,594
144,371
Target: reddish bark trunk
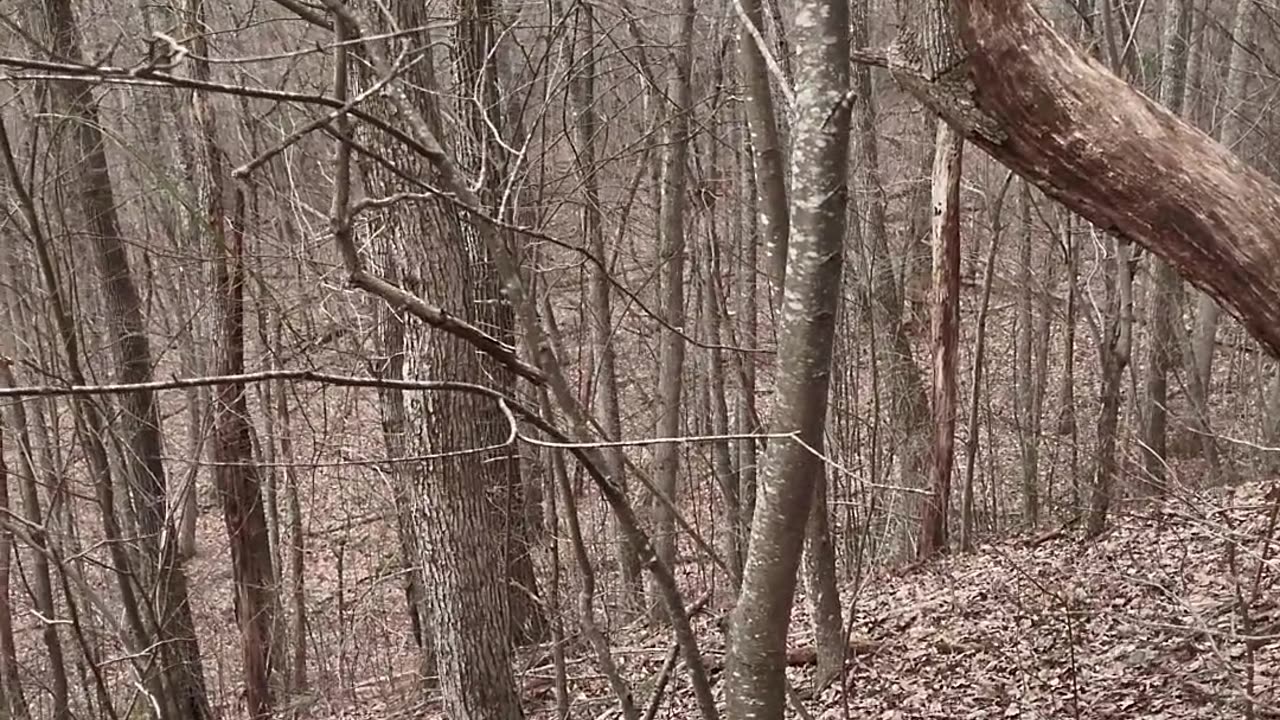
945,306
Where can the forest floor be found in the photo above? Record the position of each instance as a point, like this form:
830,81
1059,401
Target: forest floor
1173,613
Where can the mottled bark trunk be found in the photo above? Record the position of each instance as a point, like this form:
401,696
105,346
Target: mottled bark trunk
822,594
944,335
757,657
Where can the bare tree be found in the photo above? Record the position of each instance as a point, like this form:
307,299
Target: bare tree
819,160
672,223
32,512
944,335
583,98
1166,295
145,469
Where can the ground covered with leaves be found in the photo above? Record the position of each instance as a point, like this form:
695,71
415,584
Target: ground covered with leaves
1173,613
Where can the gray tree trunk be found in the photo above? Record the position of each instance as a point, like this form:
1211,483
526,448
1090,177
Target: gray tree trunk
1166,296
756,682
583,99
144,466
666,456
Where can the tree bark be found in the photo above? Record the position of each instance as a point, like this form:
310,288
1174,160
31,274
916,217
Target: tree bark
582,95
766,145
666,456
461,555
15,700
1086,138
756,681
42,583
944,332
236,475
144,467
1166,296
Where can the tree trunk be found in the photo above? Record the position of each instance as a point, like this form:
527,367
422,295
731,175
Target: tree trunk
236,475
1231,131
1166,296
582,95
766,145
756,661
721,458
42,583
1114,352
672,222
463,564
1036,103
748,416
945,331
15,705
395,430
132,354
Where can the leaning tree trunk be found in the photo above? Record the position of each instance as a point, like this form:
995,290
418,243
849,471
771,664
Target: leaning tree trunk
144,466
1003,77
819,568
944,332
756,681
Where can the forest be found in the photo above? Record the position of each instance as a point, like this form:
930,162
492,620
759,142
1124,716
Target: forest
493,359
